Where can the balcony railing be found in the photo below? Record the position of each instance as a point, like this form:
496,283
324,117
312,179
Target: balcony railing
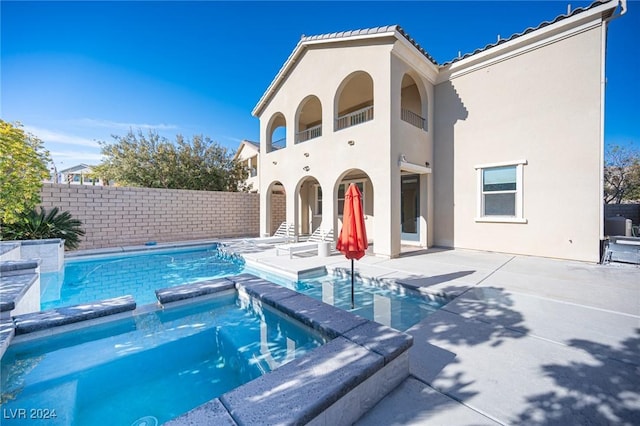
412,118
279,144
310,133
356,117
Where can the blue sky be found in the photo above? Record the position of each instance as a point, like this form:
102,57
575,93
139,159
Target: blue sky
74,73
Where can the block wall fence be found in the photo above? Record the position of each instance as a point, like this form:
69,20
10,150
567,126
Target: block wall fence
121,216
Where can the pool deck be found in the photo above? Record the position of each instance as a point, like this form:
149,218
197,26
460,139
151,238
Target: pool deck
524,340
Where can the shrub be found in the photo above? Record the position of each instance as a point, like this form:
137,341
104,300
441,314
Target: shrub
41,225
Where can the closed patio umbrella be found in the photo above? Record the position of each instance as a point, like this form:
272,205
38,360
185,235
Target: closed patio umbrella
352,241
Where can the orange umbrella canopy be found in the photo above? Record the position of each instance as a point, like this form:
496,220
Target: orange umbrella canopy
353,235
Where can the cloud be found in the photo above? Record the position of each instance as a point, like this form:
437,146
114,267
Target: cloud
92,122
52,136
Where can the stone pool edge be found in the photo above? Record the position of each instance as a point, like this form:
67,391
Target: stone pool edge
343,379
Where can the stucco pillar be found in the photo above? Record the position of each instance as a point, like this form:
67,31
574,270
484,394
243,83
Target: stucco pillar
265,211
292,197
329,217
428,182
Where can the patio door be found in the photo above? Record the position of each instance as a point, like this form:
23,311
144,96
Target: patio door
410,208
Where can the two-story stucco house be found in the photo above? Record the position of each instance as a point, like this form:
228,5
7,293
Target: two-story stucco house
500,149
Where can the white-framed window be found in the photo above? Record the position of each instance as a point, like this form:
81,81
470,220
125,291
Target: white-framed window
500,192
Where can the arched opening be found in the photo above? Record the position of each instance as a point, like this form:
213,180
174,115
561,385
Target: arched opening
354,100
277,132
309,209
412,107
309,119
362,180
276,206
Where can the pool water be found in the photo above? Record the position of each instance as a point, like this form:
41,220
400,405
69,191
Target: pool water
393,306
151,367
138,274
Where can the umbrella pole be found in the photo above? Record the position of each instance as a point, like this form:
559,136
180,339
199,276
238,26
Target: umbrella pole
353,305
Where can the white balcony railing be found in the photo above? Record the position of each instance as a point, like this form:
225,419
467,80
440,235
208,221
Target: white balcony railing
279,144
310,133
356,117
412,118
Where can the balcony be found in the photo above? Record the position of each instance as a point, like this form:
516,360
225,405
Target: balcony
353,118
310,133
412,118
279,144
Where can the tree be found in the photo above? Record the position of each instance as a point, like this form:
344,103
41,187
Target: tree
154,162
621,174
23,167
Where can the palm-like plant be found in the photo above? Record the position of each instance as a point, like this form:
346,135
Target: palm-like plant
41,225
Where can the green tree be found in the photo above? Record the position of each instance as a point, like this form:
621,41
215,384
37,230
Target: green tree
23,167
154,162
621,174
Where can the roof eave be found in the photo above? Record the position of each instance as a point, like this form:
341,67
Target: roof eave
513,43
295,55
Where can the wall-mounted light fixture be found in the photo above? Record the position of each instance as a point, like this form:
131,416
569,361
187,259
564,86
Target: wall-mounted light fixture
403,158
351,143
305,168
306,154
275,163
426,163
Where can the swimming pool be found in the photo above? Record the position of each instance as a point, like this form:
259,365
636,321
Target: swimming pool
150,367
91,278
141,273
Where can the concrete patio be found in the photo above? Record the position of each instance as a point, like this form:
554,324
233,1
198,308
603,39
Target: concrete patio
524,341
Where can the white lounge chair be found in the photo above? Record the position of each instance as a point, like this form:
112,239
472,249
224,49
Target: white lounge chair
311,244
284,234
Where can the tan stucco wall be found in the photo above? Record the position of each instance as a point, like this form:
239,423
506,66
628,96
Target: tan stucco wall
330,156
376,144
542,106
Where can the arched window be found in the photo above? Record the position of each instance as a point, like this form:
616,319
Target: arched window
309,119
411,104
277,132
354,100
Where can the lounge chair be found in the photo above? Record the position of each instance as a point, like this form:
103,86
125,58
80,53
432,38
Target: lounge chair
284,234
318,236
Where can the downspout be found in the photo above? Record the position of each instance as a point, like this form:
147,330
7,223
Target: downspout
603,83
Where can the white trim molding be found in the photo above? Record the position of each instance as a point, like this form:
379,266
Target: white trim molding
519,206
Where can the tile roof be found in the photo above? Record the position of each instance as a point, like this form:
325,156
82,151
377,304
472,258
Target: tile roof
529,30
400,30
370,31
256,144
396,29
